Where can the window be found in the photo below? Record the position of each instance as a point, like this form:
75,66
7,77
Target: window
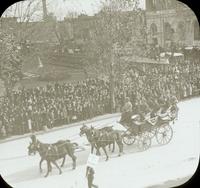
168,31
153,29
181,31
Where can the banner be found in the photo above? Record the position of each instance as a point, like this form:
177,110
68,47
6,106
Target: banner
92,160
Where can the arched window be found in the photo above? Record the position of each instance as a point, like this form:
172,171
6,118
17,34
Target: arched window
196,30
153,29
181,31
168,31
150,5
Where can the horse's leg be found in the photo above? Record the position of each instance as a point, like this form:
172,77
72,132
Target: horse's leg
63,162
55,163
104,149
92,148
48,168
113,147
40,164
73,157
120,148
120,145
98,151
109,147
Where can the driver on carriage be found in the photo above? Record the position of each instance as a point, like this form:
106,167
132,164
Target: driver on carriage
174,108
126,112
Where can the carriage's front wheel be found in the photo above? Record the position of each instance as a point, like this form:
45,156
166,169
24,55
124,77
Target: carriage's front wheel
144,143
128,139
164,134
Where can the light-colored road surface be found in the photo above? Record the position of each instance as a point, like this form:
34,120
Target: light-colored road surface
157,166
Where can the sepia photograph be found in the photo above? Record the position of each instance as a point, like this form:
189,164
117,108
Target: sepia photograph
99,94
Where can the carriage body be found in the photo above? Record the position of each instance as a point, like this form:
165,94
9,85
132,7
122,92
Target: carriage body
157,127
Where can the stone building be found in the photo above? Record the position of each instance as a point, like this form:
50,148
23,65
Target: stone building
170,20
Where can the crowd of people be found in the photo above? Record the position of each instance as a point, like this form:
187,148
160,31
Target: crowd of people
57,104
155,85
53,105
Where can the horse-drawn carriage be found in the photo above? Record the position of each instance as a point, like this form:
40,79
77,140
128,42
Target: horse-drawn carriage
142,132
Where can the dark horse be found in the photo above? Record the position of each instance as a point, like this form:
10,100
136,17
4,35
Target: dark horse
52,152
100,138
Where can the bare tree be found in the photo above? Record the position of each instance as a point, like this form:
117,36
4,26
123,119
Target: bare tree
13,35
114,32
10,61
26,13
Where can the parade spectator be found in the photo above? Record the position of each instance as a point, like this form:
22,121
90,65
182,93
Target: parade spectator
90,177
148,87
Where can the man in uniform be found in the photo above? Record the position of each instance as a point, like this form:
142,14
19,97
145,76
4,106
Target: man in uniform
90,177
126,111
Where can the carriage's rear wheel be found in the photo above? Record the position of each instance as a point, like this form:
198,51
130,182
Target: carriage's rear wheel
151,133
164,134
128,139
144,143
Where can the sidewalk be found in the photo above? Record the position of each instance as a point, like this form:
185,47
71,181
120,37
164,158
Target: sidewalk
98,118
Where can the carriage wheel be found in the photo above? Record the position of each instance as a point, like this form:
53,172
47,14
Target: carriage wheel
144,143
164,134
128,139
151,133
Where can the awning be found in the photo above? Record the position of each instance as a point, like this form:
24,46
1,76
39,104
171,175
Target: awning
189,48
170,53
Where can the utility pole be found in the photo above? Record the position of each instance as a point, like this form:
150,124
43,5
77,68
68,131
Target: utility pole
44,6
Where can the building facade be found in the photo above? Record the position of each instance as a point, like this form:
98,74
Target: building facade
170,20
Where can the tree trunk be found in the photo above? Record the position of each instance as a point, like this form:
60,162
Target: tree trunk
44,6
112,86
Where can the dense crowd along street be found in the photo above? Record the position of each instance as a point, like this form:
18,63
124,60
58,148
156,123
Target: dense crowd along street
57,104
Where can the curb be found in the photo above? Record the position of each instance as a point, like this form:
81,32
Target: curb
96,119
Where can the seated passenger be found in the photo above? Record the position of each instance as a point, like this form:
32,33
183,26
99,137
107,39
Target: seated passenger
138,120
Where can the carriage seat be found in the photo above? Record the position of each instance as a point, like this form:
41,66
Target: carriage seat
136,116
153,121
